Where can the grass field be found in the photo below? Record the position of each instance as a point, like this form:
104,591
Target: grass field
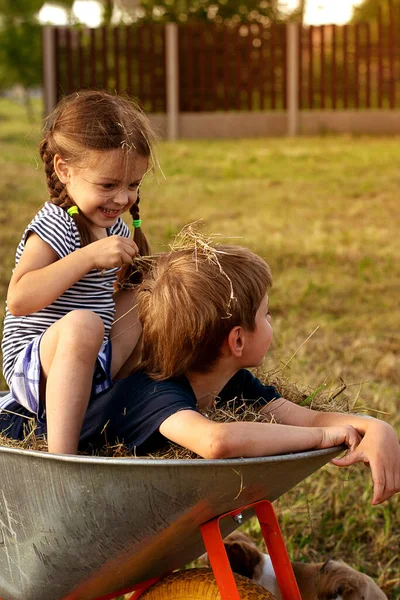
324,212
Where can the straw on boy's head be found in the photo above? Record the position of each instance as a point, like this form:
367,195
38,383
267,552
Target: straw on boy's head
190,302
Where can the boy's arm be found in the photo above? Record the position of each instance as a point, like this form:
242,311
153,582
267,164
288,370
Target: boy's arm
228,440
379,446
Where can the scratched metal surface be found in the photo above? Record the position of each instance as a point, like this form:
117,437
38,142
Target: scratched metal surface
79,527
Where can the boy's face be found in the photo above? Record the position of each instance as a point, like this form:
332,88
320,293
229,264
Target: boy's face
259,340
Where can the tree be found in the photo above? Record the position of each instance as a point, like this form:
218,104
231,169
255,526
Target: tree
20,44
20,51
234,11
108,8
301,10
368,10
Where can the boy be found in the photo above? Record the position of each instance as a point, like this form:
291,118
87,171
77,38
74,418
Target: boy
205,320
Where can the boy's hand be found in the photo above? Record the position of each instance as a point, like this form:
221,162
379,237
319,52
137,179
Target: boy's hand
113,251
380,449
340,434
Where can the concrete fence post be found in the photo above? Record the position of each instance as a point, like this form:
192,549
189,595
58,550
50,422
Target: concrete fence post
49,69
172,80
292,53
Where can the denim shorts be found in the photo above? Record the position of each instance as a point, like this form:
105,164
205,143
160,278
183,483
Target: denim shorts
25,382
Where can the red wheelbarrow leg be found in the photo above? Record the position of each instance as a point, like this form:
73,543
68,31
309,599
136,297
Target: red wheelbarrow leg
276,547
218,558
277,550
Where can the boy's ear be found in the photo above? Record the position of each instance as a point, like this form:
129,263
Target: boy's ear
236,341
61,168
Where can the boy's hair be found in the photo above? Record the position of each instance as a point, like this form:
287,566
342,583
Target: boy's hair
189,302
87,121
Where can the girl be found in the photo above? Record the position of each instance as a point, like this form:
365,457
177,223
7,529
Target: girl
57,345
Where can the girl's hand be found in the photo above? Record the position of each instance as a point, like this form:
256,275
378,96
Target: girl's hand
113,251
340,434
380,449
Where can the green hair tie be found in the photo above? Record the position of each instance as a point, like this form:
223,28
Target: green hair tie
73,210
136,223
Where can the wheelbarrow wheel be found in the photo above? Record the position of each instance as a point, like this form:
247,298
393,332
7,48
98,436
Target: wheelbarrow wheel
200,584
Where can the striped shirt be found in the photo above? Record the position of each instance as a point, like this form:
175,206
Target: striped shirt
93,292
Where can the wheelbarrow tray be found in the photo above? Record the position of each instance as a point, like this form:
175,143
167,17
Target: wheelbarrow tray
80,527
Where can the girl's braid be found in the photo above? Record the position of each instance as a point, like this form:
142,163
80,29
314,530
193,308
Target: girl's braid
59,195
129,275
138,236
57,189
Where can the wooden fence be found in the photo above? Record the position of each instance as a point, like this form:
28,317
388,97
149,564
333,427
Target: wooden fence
246,68
129,59
220,68
351,66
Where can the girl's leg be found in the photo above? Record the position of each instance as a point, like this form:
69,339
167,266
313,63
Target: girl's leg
125,335
68,353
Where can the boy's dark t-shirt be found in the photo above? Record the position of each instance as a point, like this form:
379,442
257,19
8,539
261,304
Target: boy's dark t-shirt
135,407
132,411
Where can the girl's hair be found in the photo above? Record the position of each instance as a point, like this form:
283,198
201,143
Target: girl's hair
94,121
189,302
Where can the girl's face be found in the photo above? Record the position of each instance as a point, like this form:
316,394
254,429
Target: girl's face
104,189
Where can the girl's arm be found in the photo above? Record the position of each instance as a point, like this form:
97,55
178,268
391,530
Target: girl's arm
379,446
41,276
227,440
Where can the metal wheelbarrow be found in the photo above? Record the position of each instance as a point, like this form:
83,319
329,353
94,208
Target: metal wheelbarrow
82,528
